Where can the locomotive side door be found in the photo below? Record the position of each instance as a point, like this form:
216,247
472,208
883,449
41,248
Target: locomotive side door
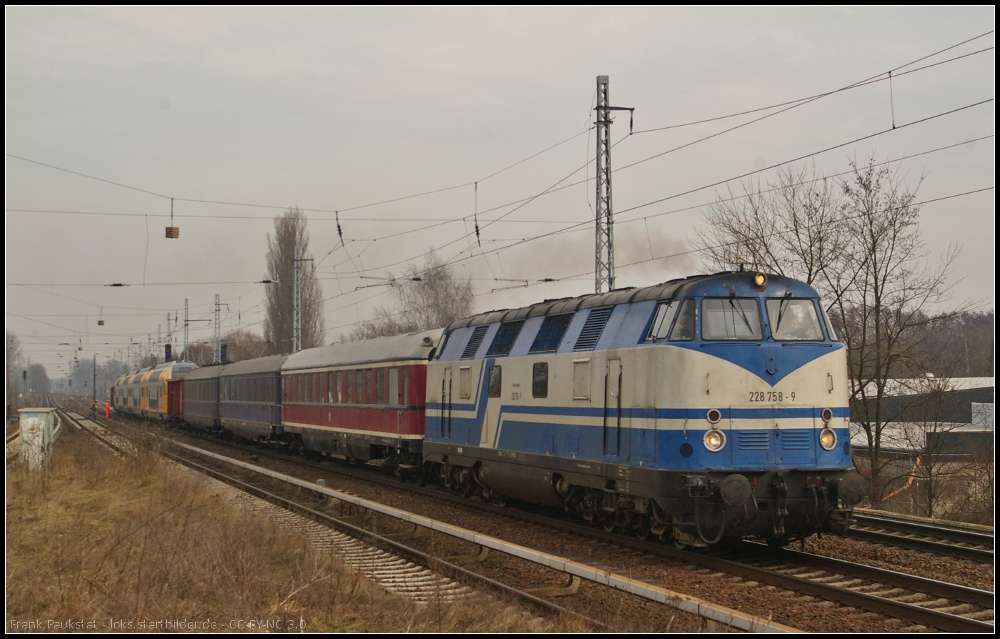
613,408
446,404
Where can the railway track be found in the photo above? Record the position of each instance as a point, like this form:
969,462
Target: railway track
934,536
922,602
574,569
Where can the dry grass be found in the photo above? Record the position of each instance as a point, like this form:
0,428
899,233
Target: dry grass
102,540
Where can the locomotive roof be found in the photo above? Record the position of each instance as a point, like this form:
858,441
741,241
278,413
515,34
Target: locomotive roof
665,290
382,349
270,364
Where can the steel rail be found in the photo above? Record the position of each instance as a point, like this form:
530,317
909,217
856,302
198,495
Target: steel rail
871,603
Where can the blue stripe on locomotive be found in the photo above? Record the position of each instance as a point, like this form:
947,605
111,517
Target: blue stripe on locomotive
649,447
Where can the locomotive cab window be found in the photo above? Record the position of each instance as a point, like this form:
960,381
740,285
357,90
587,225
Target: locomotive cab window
793,320
661,321
730,318
684,326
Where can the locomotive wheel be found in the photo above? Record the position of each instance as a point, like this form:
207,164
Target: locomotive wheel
642,529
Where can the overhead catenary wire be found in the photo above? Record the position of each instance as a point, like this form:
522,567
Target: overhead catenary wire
527,199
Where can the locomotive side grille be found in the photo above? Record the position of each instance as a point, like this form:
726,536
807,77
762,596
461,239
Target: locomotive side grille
796,440
474,342
592,329
754,439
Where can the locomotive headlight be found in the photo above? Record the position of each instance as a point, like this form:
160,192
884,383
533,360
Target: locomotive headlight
714,440
827,439
760,279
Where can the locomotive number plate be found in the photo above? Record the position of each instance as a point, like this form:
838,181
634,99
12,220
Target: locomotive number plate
771,396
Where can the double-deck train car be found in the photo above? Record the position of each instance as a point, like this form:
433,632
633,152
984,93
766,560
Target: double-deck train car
697,409
144,393
361,400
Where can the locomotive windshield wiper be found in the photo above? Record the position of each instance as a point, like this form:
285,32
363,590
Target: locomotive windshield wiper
742,314
781,311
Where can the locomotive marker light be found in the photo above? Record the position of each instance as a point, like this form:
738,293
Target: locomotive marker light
714,416
827,439
714,440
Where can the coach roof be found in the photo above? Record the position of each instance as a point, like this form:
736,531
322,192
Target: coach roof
382,349
255,366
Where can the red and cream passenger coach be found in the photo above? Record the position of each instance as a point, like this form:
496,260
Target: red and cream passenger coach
363,400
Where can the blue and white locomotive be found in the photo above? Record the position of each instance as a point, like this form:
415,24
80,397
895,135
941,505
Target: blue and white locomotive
702,408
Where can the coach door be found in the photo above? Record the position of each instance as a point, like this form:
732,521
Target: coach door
613,408
446,404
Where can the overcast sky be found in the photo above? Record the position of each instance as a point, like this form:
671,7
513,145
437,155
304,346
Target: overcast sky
239,114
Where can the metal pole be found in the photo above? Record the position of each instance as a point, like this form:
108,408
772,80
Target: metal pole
297,303
218,333
187,356
604,254
604,260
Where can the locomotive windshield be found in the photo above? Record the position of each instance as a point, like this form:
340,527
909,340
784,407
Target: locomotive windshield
793,319
731,318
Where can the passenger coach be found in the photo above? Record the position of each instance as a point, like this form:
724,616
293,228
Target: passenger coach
360,400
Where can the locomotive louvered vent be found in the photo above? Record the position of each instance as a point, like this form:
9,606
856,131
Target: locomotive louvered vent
592,329
796,440
754,440
473,345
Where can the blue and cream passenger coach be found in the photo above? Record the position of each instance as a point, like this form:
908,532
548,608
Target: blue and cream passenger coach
700,408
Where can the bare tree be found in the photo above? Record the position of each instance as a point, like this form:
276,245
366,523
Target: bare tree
881,287
38,380
290,231
792,227
13,363
243,344
858,242
425,296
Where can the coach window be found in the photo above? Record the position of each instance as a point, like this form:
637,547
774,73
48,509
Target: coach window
339,386
380,381
393,386
730,318
464,382
540,379
404,397
369,386
496,381
359,386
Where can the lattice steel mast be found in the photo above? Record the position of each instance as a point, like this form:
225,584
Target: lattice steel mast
604,259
